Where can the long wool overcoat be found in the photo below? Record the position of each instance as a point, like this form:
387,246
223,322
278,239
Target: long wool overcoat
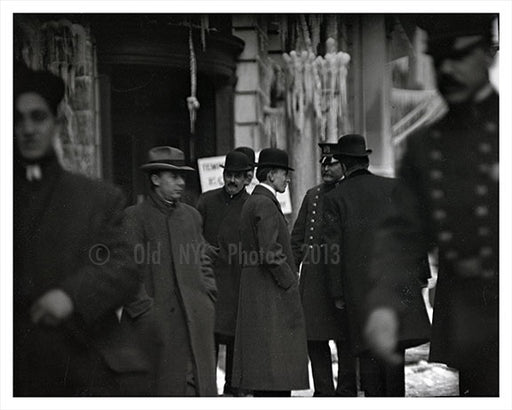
68,234
354,211
270,340
169,249
221,227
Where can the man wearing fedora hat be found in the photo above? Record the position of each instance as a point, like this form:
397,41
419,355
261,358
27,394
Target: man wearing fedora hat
450,170
323,321
353,211
178,282
221,209
270,341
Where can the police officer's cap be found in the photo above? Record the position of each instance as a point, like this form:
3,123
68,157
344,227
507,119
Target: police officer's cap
450,34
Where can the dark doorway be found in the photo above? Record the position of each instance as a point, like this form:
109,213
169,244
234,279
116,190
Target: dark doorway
148,108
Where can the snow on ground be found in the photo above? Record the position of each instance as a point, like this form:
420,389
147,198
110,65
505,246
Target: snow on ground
422,379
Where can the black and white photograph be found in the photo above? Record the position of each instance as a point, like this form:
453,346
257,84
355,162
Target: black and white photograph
277,205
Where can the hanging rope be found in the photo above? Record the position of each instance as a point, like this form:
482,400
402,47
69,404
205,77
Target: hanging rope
192,102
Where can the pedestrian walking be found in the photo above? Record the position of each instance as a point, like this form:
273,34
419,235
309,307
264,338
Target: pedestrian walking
450,170
72,266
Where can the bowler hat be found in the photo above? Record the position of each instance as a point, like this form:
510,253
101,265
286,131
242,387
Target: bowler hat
166,158
250,154
449,34
273,158
236,162
352,145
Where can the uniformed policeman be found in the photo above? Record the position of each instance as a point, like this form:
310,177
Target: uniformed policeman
451,170
323,321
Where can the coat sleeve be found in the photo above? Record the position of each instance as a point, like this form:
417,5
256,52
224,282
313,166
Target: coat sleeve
271,252
297,236
208,255
109,277
400,255
333,239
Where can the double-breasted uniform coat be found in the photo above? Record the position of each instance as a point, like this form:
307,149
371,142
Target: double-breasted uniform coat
450,170
323,321
270,341
68,235
170,251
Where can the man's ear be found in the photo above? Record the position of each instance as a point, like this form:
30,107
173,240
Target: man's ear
155,179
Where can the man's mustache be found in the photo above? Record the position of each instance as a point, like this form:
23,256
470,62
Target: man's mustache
446,81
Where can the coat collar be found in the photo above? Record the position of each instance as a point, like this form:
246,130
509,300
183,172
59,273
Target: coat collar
260,190
164,206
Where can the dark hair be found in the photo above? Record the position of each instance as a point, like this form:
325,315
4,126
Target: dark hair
351,162
47,85
262,173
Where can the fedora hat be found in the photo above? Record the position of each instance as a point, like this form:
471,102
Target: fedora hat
352,145
166,158
273,158
236,161
250,154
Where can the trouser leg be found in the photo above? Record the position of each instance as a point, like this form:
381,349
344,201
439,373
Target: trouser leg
381,380
321,366
347,377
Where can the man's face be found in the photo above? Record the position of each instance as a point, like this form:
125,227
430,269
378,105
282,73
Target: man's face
279,179
332,172
169,185
35,126
249,177
461,75
234,182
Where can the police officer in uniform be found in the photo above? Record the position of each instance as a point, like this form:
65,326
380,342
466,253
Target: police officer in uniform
451,171
323,321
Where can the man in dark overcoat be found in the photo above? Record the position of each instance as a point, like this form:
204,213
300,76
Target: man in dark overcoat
323,321
450,170
353,211
72,266
172,255
270,342
221,209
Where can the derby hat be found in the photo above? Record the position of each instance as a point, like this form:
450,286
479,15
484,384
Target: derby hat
250,154
236,161
273,158
166,158
352,145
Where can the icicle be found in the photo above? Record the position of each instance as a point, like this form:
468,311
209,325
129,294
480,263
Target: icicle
205,26
192,102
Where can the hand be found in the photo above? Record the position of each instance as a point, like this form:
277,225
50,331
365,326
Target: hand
381,333
52,308
339,303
